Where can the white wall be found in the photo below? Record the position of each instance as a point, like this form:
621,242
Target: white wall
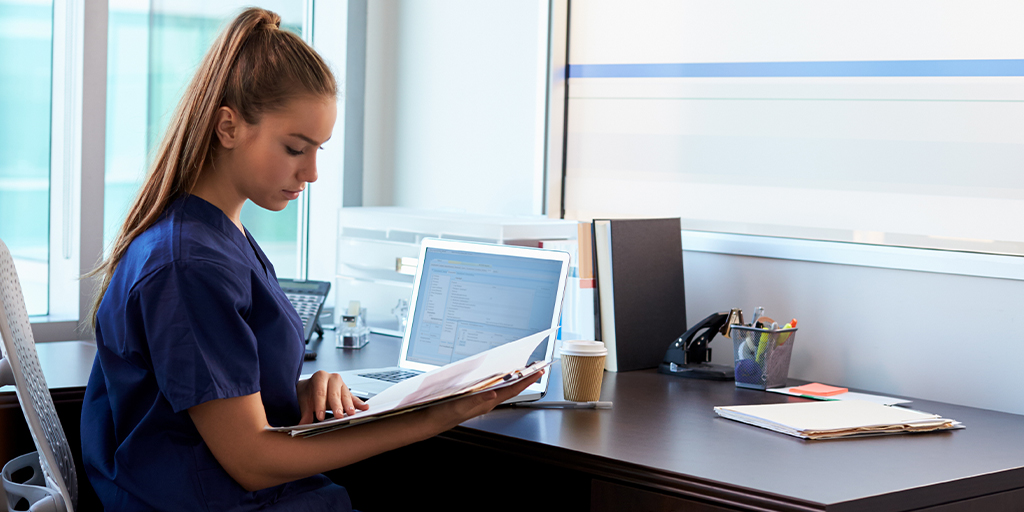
934,336
455,105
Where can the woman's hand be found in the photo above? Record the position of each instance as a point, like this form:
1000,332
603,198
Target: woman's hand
447,415
322,391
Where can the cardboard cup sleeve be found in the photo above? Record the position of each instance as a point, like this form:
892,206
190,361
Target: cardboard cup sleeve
582,370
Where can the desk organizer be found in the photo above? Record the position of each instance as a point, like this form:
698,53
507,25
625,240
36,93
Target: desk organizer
762,356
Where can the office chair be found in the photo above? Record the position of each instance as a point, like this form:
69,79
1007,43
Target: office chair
43,480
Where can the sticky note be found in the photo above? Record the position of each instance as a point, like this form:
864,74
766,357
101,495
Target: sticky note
817,389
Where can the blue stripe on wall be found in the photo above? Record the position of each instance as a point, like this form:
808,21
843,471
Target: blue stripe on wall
993,67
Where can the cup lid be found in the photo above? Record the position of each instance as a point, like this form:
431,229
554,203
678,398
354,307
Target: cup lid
583,348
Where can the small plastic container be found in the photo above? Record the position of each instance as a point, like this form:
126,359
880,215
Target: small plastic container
762,356
352,331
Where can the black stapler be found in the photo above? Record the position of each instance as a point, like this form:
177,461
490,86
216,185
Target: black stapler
689,355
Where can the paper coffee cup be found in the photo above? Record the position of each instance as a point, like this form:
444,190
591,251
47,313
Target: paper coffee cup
582,370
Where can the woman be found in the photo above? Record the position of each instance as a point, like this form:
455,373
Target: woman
198,349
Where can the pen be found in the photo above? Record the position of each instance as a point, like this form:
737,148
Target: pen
565,405
758,312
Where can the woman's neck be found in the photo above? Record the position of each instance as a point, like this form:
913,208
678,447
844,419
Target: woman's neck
214,188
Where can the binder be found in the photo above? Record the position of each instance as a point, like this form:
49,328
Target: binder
640,300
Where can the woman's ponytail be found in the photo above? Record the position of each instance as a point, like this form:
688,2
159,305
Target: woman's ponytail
253,67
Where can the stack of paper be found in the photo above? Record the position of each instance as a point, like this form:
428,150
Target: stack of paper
493,369
828,420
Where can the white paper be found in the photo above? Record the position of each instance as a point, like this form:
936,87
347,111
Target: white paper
849,395
496,361
841,417
441,382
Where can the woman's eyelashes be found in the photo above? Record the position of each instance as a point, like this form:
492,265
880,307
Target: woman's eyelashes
297,152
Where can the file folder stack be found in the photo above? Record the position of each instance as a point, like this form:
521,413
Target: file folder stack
830,420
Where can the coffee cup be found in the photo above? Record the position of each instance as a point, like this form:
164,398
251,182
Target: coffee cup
582,370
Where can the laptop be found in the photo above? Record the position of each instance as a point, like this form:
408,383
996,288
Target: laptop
469,297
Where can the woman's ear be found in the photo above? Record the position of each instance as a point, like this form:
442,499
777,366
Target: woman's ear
228,127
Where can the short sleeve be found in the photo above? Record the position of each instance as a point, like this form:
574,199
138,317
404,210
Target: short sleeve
192,316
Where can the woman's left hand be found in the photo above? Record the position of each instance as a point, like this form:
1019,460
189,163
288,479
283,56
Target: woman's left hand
323,391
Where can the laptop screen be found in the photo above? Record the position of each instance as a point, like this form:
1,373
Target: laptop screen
469,302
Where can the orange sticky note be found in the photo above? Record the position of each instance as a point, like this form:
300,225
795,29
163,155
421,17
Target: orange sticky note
817,389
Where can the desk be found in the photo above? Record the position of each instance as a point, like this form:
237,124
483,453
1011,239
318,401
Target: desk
65,364
663,448
663,445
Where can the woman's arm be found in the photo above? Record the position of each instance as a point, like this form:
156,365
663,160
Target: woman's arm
233,428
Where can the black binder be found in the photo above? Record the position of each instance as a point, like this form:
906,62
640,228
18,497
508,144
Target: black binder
648,300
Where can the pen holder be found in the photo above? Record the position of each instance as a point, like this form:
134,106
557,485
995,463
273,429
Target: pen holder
762,356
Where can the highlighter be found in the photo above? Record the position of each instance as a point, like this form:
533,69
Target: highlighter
785,336
762,344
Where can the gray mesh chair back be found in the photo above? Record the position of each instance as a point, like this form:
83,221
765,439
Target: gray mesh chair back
51,484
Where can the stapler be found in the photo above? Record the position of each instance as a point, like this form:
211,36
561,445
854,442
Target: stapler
689,355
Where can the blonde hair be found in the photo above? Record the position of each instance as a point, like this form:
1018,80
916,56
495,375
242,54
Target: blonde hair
253,67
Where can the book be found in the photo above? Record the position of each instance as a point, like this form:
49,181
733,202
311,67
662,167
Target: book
640,299
836,419
492,369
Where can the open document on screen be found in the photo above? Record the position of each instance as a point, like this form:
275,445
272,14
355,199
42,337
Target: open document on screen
473,302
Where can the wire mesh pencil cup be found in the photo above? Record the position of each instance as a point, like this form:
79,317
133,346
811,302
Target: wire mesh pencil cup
762,356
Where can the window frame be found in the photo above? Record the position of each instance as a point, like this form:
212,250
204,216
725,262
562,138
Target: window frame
77,131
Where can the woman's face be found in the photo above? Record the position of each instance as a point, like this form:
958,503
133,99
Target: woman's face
276,157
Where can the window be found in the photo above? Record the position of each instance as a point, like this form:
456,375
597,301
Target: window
86,89
880,122
154,48
26,43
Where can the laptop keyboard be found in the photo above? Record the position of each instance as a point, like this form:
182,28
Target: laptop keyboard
390,375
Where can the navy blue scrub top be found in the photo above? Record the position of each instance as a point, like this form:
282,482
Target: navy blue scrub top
193,313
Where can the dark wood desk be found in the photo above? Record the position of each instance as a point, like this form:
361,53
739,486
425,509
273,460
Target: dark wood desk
663,447
660,448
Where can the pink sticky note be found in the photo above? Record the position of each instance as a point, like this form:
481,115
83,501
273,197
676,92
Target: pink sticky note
818,389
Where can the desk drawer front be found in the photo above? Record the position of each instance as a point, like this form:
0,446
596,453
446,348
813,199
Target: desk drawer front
612,497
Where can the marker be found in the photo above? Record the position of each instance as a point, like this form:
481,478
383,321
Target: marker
785,336
762,345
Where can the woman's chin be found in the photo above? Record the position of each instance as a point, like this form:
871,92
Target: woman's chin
274,205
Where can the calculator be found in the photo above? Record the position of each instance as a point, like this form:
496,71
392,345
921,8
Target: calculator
308,299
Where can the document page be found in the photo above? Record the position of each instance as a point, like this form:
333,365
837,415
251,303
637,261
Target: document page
472,374
461,374
849,395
